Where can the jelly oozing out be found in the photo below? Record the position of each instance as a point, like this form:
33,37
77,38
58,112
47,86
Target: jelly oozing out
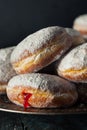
26,99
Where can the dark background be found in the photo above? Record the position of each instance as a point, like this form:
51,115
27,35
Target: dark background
19,18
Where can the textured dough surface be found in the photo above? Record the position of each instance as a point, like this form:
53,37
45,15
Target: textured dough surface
74,65
77,38
40,49
6,70
80,24
36,41
46,90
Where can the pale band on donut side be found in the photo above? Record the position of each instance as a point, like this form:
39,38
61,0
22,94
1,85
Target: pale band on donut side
40,49
74,65
41,91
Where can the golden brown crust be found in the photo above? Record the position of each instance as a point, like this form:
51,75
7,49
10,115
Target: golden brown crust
40,99
74,75
22,67
83,32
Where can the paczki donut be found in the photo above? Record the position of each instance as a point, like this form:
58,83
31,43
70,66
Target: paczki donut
74,65
41,91
80,24
77,38
40,49
6,70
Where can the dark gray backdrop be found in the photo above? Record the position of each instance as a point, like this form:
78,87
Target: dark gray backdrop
18,18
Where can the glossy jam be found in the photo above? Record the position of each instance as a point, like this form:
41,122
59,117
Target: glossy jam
26,99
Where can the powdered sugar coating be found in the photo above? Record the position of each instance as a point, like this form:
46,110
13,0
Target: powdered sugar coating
35,41
72,32
82,20
80,24
6,70
75,59
43,82
77,38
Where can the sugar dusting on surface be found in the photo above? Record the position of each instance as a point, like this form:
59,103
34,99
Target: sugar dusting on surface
36,58
82,19
72,32
43,82
57,87
6,70
76,59
35,41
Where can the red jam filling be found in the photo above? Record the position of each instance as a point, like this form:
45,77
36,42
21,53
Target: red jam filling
26,99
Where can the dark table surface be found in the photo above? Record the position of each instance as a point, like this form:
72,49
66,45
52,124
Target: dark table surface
13,121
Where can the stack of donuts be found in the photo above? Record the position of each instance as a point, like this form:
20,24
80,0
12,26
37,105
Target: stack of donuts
48,69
